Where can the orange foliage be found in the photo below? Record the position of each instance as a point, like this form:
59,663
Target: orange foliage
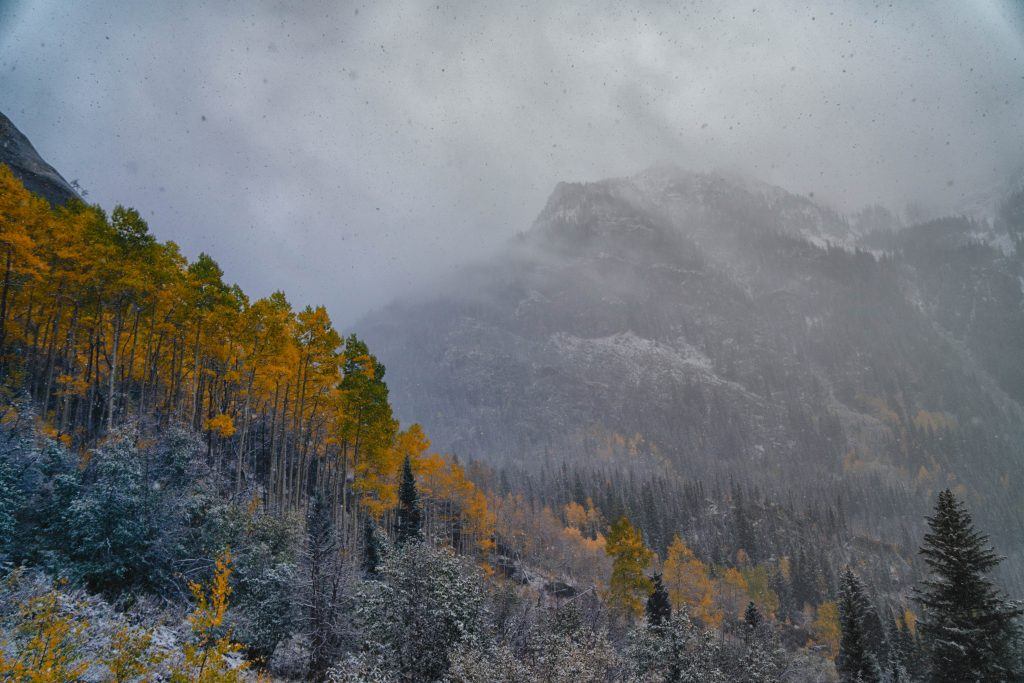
689,584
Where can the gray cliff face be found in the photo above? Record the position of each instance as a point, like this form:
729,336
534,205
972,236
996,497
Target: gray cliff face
38,176
709,327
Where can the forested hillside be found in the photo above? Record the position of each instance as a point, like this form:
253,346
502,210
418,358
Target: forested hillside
698,326
197,486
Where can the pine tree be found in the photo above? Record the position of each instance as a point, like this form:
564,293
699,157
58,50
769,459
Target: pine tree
752,617
856,661
426,602
321,586
897,655
679,650
371,547
10,502
968,628
408,518
659,608
910,651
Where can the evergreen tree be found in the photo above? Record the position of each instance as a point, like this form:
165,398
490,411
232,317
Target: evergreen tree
897,655
659,608
10,503
752,617
856,661
426,602
371,547
969,630
910,651
408,518
321,589
679,650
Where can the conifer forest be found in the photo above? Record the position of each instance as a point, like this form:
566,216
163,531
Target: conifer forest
497,343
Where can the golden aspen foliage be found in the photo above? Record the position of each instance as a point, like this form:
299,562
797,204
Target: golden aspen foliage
205,659
910,621
222,425
378,472
629,586
758,579
575,515
825,628
688,583
131,656
785,568
50,646
732,592
100,322
536,533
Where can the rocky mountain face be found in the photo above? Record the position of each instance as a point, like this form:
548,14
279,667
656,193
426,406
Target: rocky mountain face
38,176
714,328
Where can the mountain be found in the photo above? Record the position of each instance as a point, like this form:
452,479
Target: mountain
38,176
720,328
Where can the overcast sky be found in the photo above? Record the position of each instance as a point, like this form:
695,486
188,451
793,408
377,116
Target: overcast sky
346,152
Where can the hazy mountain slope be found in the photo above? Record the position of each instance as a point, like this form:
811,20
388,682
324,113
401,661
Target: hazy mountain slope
38,176
705,325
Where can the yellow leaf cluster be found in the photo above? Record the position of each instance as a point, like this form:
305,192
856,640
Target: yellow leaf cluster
222,425
206,658
826,627
689,583
51,647
629,586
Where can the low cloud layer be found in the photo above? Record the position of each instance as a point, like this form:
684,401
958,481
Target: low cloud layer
348,152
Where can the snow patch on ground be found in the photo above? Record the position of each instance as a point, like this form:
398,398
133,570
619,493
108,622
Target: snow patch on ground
636,350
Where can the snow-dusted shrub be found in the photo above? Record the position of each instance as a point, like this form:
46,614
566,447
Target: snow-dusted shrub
677,650
425,601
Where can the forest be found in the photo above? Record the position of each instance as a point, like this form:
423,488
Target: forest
197,486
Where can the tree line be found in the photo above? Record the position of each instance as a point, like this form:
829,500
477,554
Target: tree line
102,325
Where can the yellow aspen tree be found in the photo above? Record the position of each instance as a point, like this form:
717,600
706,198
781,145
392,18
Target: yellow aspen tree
51,643
20,212
131,656
733,592
205,659
629,586
689,583
826,627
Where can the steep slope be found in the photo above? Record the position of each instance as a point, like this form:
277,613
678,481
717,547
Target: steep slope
38,176
714,327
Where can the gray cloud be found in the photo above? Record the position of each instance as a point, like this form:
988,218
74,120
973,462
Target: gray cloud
346,152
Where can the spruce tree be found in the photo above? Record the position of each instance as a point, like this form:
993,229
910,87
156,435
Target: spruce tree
371,547
659,608
408,518
856,661
897,654
968,629
752,617
320,591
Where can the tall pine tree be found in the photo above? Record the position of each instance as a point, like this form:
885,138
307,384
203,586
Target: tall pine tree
968,629
752,618
371,547
856,660
320,591
408,517
659,608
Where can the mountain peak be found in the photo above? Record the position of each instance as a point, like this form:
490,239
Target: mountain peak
668,199
17,152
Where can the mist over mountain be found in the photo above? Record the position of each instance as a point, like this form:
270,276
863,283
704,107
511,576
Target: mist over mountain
725,329
754,413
